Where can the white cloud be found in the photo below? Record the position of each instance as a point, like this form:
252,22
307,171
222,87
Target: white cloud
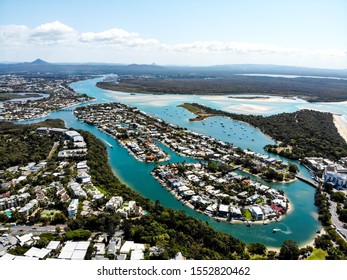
53,32
117,36
121,45
248,48
13,35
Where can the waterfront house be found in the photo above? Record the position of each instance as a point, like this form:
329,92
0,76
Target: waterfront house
257,213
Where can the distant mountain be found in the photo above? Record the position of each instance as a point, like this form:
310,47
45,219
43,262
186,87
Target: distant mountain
43,67
39,62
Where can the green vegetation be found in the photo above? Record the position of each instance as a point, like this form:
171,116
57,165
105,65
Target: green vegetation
289,250
331,242
307,133
20,144
318,254
9,96
313,90
247,215
78,234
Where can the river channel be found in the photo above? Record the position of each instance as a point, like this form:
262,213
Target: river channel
299,225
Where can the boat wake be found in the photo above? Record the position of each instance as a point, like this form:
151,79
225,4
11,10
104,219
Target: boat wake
107,143
286,231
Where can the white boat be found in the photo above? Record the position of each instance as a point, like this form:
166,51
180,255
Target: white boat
275,230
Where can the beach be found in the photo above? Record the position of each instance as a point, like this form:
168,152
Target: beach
341,125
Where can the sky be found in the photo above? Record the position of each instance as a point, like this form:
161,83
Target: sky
309,33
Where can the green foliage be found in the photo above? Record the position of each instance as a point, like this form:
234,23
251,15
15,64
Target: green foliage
78,234
18,250
293,168
322,203
289,250
58,218
174,231
317,254
257,248
339,197
20,144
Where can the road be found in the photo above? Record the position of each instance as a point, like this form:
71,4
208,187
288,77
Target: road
335,220
35,230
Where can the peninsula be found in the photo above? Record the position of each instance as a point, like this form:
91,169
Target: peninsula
300,134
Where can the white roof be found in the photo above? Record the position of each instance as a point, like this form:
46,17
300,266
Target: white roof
138,247
69,246
78,255
74,250
257,210
224,208
126,247
82,245
7,257
36,252
72,133
53,245
25,238
136,255
22,258
65,255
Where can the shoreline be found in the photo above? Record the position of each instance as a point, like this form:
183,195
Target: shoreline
341,125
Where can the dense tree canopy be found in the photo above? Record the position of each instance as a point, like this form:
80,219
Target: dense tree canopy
20,144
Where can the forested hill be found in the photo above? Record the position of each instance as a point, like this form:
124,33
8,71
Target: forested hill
304,133
20,144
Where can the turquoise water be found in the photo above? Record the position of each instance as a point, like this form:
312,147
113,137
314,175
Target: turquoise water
299,225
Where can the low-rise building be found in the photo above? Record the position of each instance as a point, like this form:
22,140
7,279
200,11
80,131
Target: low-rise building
73,207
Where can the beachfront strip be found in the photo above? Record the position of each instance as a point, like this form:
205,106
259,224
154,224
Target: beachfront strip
222,194
60,96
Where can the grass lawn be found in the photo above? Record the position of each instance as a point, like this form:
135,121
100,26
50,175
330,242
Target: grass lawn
49,213
317,254
248,215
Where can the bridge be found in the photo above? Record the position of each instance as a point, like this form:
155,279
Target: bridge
308,181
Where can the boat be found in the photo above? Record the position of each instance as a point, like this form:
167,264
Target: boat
266,222
249,223
275,230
